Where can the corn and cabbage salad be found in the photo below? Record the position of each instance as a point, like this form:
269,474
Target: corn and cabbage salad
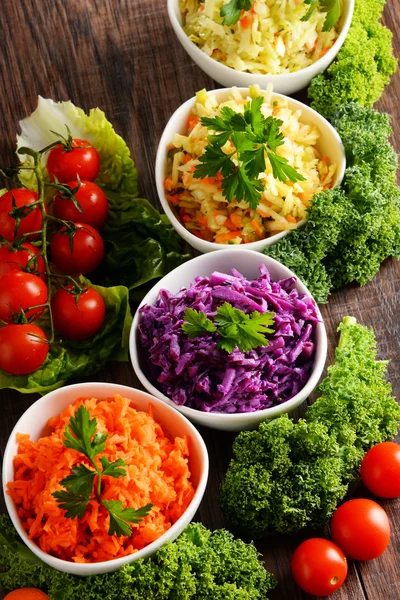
268,39
200,203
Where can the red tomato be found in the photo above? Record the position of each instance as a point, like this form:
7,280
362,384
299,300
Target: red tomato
27,594
87,249
23,348
19,291
380,470
319,567
66,165
90,198
77,320
32,221
361,528
12,259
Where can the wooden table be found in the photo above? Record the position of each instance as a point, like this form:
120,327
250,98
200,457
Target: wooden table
122,56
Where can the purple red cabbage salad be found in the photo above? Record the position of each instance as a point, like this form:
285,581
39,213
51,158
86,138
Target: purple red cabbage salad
197,374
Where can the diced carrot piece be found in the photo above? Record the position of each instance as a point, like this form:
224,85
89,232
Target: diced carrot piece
256,227
220,238
245,22
236,219
252,10
262,214
168,184
323,52
291,219
230,225
174,199
202,221
192,122
325,159
182,212
187,158
186,218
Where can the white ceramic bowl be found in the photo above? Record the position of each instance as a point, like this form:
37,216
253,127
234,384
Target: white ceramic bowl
287,83
248,263
34,421
329,144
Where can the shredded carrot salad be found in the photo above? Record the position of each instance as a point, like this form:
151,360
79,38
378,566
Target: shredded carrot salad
157,473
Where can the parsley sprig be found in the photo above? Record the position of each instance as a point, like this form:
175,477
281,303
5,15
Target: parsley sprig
254,138
330,7
231,12
236,328
82,436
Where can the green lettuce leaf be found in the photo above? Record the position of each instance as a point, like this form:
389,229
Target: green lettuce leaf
69,360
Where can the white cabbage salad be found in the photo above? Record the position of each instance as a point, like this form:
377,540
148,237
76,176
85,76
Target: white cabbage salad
200,203
268,39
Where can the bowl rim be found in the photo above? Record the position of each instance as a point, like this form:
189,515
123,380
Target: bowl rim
161,162
326,59
103,566
247,417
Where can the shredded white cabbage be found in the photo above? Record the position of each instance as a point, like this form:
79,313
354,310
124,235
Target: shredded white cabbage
270,38
200,203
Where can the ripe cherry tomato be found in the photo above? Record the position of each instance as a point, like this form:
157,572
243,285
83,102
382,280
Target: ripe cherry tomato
380,470
87,249
77,319
319,567
90,198
23,348
361,528
27,594
12,259
19,291
66,165
32,221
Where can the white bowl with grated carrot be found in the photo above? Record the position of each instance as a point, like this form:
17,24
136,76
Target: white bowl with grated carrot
97,475
239,167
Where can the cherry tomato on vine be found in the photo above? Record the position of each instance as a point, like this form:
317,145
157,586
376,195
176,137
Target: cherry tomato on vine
30,217
23,348
361,528
26,594
380,470
87,249
91,199
77,317
19,291
66,164
319,567
17,259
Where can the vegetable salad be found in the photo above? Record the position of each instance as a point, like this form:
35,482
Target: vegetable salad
201,204
271,37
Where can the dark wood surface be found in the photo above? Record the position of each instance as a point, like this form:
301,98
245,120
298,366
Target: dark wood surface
122,56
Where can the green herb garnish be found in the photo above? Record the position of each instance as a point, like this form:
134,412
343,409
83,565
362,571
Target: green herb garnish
231,11
82,436
236,328
254,137
330,7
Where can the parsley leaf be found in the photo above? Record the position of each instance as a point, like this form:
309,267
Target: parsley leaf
196,323
254,138
236,328
74,504
78,487
242,330
84,429
330,7
121,517
231,11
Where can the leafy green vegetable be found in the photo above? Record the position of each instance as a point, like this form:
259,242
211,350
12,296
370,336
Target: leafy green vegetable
330,7
352,229
362,67
199,565
287,475
253,136
238,329
70,359
235,327
231,11
82,436
196,323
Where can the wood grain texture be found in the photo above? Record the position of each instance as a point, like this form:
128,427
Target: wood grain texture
122,56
